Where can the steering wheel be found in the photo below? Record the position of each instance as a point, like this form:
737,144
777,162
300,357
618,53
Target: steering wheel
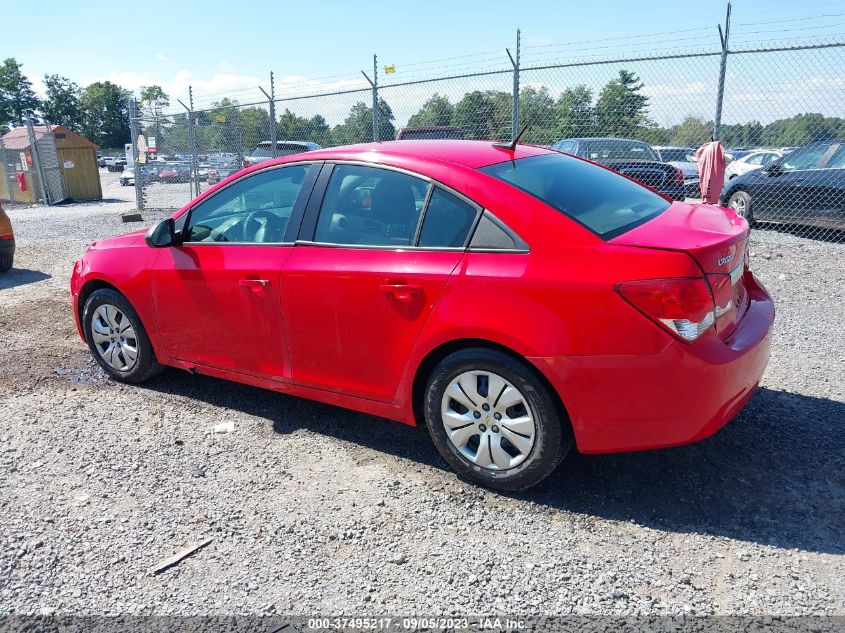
271,222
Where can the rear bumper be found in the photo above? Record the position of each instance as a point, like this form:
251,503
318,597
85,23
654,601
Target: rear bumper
682,394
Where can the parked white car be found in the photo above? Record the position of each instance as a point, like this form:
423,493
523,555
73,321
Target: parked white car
684,159
755,160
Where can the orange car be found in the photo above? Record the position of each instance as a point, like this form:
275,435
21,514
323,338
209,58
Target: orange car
7,241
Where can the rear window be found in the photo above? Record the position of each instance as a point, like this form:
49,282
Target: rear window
603,201
678,155
601,150
263,151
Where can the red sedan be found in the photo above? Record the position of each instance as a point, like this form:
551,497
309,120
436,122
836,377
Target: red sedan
519,301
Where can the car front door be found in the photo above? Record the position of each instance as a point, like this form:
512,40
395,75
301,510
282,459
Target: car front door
217,295
374,254
780,190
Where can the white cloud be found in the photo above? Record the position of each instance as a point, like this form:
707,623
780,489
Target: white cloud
162,57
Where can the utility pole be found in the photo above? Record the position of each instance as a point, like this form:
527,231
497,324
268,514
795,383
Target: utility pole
515,110
374,84
271,98
723,37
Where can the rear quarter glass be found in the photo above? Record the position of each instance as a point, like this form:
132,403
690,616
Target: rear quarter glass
599,199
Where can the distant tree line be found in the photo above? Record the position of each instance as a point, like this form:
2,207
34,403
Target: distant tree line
100,111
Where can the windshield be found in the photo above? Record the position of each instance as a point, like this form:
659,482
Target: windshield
603,201
263,151
677,155
601,150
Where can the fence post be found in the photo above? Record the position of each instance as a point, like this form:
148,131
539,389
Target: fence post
374,84
515,97
192,141
136,165
38,172
723,37
272,99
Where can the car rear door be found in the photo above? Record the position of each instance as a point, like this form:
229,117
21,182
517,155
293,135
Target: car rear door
375,251
217,294
825,191
783,188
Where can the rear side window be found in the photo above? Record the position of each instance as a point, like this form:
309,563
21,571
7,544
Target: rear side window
603,201
448,220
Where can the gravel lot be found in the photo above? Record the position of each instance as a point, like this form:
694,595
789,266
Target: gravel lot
317,509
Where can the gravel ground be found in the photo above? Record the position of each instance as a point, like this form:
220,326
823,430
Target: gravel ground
317,509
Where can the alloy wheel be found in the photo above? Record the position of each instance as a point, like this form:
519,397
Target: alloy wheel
738,204
488,420
114,337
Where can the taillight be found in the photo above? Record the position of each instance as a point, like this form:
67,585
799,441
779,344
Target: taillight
245,164
683,306
7,237
679,177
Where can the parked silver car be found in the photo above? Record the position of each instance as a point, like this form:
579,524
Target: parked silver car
755,160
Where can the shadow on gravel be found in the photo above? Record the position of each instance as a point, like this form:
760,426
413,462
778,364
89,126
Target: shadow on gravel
21,277
775,475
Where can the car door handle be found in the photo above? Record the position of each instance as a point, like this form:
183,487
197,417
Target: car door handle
253,283
401,292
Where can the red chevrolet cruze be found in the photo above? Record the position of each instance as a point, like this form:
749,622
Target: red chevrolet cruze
518,300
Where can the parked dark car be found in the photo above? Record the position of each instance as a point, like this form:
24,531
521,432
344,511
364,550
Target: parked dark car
263,151
806,186
429,132
634,159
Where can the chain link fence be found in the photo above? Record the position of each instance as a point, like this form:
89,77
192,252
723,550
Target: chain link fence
779,112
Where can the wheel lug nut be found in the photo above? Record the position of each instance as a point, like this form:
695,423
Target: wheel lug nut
498,416
485,406
495,429
477,414
482,428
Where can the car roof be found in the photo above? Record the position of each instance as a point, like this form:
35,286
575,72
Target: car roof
472,154
671,147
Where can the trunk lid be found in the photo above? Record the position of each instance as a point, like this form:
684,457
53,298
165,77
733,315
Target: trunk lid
716,238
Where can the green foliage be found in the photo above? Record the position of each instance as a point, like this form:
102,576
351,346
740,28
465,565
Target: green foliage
16,94
576,116
296,128
358,126
105,119
621,109
691,132
154,99
436,111
62,105
537,111
484,115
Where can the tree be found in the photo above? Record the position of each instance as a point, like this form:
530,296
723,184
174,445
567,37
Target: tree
436,111
62,107
537,111
358,125
691,132
621,109
484,115
154,99
16,94
297,128
575,113
105,118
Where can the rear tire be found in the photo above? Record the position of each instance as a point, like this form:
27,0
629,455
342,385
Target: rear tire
740,202
117,338
6,262
502,429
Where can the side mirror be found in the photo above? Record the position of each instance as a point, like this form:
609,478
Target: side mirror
162,234
773,169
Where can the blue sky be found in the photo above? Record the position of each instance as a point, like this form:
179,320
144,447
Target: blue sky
230,47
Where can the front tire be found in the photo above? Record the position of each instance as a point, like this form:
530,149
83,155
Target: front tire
117,337
494,421
740,202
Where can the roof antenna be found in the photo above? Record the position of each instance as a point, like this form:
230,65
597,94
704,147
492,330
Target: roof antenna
512,144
